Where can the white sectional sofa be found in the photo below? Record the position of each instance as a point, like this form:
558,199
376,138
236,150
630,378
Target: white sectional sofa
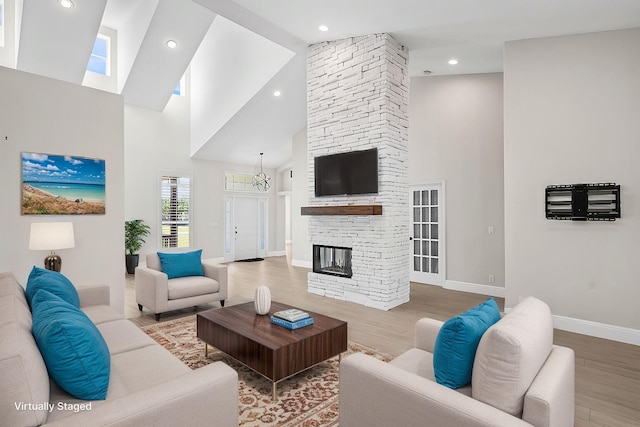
147,385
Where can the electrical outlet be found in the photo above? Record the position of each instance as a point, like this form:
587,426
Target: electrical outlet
491,230
492,278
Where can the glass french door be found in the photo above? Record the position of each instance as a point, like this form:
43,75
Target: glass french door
427,234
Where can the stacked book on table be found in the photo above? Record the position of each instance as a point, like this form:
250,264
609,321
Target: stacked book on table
292,318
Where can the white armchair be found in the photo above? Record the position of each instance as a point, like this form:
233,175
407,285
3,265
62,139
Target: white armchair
519,378
160,294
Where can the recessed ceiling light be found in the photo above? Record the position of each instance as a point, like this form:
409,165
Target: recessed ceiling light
67,4
453,61
323,28
172,44
277,93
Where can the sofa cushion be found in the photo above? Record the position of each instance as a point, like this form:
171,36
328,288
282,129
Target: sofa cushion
13,303
75,353
185,287
181,264
24,378
153,262
420,362
142,368
13,310
510,354
416,361
457,341
131,372
53,282
23,374
99,314
121,337
10,286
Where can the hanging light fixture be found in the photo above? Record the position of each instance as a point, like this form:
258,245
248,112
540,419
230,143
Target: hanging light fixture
261,181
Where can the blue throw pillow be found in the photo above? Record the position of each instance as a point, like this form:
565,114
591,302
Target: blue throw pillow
74,351
457,342
51,281
182,264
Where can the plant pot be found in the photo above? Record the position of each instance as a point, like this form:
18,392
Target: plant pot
132,263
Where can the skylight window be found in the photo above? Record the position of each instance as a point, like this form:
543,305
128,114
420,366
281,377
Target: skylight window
181,88
99,61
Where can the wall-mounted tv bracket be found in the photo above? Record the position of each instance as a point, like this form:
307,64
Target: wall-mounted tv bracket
583,202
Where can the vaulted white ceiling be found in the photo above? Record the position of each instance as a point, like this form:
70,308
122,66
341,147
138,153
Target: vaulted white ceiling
434,31
239,52
58,44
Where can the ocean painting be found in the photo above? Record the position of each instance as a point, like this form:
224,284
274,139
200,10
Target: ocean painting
62,185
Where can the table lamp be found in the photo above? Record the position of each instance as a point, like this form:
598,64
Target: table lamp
51,236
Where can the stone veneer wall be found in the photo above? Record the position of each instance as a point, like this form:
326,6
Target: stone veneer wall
358,98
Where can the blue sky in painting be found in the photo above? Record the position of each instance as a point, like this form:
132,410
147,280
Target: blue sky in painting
62,169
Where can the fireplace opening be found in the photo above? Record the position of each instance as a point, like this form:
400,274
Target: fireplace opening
332,260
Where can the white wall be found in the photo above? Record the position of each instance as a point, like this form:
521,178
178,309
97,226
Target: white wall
302,255
8,51
152,147
571,116
285,182
43,115
158,142
455,136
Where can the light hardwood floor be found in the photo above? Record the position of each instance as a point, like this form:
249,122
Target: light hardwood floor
607,372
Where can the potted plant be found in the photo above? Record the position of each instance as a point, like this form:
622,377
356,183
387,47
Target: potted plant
134,233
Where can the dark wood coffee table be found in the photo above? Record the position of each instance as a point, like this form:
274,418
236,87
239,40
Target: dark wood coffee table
271,350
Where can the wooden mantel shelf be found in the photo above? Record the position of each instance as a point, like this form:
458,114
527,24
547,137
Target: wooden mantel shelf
342,210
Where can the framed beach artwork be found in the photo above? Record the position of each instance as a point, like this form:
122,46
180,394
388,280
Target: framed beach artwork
62,185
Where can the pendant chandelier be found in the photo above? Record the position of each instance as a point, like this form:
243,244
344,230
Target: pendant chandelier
261,181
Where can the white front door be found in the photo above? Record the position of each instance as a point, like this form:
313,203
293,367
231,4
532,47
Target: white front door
245,227
427,234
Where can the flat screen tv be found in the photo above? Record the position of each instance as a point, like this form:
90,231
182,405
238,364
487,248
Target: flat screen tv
354,172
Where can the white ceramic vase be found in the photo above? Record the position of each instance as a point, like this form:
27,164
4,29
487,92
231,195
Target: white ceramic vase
262,300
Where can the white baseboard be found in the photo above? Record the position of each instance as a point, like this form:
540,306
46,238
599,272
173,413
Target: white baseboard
599,330
595,329
474,288
304,264
276,253
578,326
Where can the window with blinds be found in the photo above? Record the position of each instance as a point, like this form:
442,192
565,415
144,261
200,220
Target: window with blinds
176,204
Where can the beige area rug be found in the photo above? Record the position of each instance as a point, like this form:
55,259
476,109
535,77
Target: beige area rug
306,399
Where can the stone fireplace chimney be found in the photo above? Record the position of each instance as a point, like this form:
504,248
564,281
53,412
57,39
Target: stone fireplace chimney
357,99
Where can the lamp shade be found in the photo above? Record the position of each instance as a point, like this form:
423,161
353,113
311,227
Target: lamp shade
50,236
